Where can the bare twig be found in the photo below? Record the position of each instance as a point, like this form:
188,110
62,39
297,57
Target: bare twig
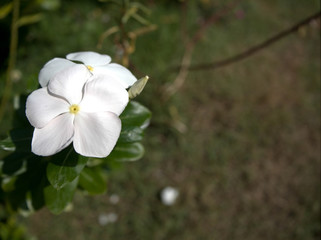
187,57
12,57
249,52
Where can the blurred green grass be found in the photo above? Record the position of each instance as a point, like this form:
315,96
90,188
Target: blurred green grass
248,164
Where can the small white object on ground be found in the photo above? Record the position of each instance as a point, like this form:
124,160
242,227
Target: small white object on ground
169,195
104,219
114,199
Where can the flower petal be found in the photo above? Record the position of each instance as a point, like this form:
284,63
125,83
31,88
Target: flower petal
41,107
96,134
69,83
118,72
51,68
104,94
54,137
90,58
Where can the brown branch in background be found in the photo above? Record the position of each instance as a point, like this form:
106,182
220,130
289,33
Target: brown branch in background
12,57
187,57
213,19
183,24
249,52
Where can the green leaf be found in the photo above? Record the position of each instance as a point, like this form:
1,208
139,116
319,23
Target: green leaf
135,119
65,167
135,115
127,152
140,19
131,135
50,4
141,7
112,165
5,10
129,12
29,19
7,144
8,183
26,179
13,164
92,162
37,193
57,199
93,180
20,139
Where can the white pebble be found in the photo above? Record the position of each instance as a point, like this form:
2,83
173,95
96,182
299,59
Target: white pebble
114,199
104,219
169,195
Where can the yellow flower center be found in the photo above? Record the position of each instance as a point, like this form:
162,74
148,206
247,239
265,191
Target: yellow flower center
74,109
90,68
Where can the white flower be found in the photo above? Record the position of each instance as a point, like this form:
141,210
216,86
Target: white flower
73,109
169,195
95,62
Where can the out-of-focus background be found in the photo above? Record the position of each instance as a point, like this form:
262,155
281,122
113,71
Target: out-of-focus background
240,143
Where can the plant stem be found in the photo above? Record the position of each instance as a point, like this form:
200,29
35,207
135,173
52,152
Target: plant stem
190,46
250,51
12,57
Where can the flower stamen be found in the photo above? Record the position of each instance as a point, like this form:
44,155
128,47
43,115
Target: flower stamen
74,109
90,68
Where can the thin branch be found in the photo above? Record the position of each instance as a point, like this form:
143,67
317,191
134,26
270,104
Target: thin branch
189,48
213,19
249,52
12,57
